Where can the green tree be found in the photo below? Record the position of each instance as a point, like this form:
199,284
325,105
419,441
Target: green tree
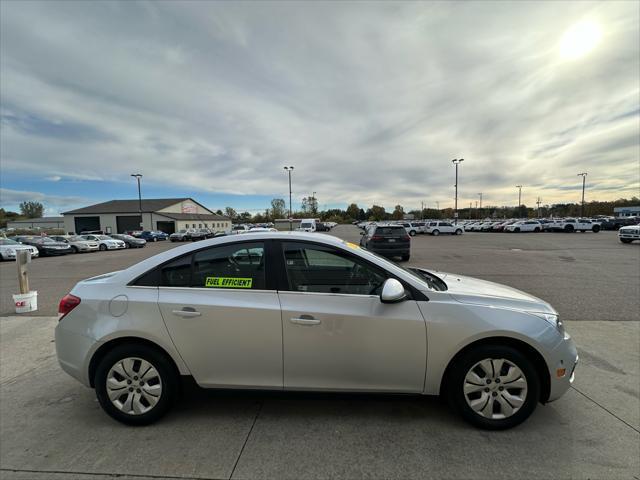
32,209
353,211
277,208
245,216
230,212
377,213
398,213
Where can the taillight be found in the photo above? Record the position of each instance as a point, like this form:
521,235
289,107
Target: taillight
407,238
376,238
68,303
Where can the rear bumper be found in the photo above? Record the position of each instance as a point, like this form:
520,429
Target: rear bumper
390,251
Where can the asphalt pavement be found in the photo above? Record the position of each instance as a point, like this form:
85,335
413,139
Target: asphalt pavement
51,427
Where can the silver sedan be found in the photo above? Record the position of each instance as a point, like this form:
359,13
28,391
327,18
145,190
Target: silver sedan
297,311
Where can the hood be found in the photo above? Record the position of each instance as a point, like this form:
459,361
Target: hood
474,291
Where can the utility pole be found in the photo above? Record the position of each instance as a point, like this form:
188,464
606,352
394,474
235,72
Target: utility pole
539,202
438,205
476,208
480,213
422,210
470,209
456,162
138,177
289,170
519,187
584,177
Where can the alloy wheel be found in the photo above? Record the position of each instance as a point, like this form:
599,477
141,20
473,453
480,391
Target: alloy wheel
134,386
495,388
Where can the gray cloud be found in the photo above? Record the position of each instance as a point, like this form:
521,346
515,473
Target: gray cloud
370,101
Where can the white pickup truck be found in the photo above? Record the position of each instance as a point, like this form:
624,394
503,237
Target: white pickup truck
629,233
574,225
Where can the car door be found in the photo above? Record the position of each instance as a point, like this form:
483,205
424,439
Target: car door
337,334
223,315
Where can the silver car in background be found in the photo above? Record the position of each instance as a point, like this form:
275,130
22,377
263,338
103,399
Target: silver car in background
299,311
77,243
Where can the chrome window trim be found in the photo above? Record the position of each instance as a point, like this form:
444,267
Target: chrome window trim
205,289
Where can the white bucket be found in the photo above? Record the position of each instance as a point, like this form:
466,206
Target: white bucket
26,302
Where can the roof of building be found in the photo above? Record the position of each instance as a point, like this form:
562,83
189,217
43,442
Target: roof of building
129,206
194,216
626,209
39,220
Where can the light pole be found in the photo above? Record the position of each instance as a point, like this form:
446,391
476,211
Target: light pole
584,177
313,204
539,202
138,177
456,162
519,187
289,170
480,195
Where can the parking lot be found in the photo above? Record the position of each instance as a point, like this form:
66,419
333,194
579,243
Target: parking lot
52,426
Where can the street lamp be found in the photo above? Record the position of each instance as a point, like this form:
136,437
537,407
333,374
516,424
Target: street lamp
456,162
480,195
519,187
138,176
289,170
584,177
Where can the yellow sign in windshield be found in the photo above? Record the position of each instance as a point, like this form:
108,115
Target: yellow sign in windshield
228,282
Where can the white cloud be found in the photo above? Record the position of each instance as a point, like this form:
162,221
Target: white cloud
369,101
54,204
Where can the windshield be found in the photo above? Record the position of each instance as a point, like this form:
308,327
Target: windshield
76,239
305,225
104,237
7,241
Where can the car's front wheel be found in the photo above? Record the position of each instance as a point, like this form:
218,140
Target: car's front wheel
103,247
135,384
494,387
458,232
435,233
405,258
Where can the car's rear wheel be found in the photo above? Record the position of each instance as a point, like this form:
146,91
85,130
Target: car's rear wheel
135,384
103,247
537,229
435,233
74,249
494,387
517,229
405,258
568,228
458,232
155,239
595,228
412,233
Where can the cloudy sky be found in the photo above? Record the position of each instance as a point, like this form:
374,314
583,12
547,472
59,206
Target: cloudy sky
369,101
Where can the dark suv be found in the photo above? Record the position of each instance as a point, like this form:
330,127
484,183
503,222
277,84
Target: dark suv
387,240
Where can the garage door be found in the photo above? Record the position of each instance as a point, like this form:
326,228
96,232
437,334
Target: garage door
128,223
87,224
167,227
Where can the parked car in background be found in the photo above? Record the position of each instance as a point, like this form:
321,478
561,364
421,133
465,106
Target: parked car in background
262,229
322,227
472,226
237,229
134,233
9,247
200,234
436,228
344,319
524,226
129,240
77,243
387,240
629,233
105,242
153,235
46,246
570,225
183,235
307,225
411,228
499,227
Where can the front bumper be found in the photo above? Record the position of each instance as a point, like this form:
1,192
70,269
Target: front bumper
563,357
55,251
115,247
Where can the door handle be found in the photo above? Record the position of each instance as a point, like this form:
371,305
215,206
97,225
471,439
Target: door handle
187,312
306,320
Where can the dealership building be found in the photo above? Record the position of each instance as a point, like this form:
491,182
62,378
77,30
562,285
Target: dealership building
165,214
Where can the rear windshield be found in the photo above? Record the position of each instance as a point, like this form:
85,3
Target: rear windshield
390,231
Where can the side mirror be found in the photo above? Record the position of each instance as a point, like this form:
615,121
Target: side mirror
392,291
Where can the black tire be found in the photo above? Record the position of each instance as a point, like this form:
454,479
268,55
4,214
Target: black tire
102,247
405,258
537,229
412,233
74,249
569,228
595,228
155,239
126,245
168,374
456,379
458,232
517,229
435,233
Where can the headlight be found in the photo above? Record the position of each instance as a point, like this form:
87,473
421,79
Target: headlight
552,318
